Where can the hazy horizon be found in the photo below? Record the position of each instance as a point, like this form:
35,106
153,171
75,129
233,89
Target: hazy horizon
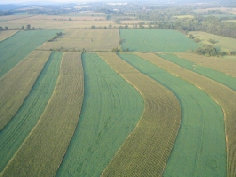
44,1
84,1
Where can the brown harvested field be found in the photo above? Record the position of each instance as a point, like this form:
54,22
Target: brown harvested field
223,64
6,34
67,18
49,22
131,22
6,18
17,83
88,39
147,148
44,148
222,95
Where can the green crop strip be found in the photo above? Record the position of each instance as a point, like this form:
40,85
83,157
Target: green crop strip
155,40
17,47
200,148
220,77
110,111
12,136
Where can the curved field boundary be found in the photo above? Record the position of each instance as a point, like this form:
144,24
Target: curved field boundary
147,148
6,34
17,83
224,96
17,47
44,148
220,77
199,149
110,111
13,135
224,64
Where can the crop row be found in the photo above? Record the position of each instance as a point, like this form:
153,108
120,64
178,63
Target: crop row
14,134
45,146
220,77
110,111
221,94
17,47
17,83
197,143
146,150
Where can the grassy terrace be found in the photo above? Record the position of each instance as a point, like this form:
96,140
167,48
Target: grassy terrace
110,111
197,143
220,77
224,64
6,34
146,150
13,135
44,148
17,83
17,47
222,95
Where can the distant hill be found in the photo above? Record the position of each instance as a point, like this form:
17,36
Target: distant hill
11,4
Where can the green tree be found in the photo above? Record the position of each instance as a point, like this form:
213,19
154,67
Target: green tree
28,27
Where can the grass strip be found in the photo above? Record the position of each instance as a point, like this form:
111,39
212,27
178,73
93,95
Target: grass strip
220,77
226,64
17,83
146,150
17,47
6,34
13,135
110,111
200,148
222,95
44,148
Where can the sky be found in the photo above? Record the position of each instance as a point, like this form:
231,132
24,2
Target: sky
43,1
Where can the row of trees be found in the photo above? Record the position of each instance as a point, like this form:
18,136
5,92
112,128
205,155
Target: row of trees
210,24
28,27
209,50
59,34
3,28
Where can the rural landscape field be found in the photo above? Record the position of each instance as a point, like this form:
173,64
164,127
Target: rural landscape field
118,89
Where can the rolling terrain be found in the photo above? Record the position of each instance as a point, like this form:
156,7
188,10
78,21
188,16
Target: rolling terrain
99,100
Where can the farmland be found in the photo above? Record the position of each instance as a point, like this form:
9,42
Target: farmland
222,95
13,135
65,102
17,47
117,90
110,111
225,43
17,83
6,34
196,136
88,39
184,16
146,150
227,80
224,64
57,22
152,40
8,18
